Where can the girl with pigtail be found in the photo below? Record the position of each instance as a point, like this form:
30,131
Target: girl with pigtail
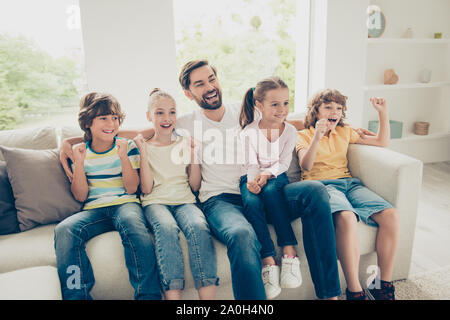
268,142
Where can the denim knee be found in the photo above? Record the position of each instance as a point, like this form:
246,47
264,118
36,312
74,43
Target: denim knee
244,240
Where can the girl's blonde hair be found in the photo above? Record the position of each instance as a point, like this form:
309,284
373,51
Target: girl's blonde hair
257,94
157,94
324,96
97,104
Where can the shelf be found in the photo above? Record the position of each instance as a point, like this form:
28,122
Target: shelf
413,138
399,86
407,41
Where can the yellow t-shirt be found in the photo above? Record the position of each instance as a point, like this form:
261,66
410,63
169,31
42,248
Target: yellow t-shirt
331,158
170,179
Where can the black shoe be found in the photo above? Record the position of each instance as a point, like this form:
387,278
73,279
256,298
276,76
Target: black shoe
385,292
360,295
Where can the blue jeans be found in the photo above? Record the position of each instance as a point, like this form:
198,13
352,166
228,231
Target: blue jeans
71,236
166,222
224,214
269,202
309,200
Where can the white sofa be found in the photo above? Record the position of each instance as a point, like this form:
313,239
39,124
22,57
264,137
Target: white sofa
394,176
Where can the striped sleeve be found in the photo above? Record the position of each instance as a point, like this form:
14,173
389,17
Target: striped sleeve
133,155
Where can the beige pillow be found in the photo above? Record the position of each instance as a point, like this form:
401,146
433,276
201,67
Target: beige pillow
41,189
30,138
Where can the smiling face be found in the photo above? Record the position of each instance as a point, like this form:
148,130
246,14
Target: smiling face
163,114
104,128
275,106
204,88
332,112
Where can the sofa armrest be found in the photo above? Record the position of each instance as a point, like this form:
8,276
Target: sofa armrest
397,178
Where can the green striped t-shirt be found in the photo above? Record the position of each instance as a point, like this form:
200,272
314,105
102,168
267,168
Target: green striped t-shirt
104,176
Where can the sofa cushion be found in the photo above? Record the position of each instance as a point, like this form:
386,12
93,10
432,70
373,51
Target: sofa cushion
40,187
294,171
27,249
30,138
38,283
8,213
69,132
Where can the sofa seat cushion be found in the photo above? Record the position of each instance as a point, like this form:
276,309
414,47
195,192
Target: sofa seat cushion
27,249
37,283
107,258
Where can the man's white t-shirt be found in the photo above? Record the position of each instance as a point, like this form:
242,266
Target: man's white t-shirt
221,151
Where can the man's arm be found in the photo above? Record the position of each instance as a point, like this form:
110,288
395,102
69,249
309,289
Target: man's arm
65,150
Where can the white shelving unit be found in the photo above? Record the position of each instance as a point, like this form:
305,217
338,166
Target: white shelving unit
411,100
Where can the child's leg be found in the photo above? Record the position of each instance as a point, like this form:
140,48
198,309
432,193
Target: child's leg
74,269
256,215
278,213
167,249
139,251
387,241
202,256
347,247
371,207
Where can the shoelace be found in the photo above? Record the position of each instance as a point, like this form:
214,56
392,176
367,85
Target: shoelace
267,278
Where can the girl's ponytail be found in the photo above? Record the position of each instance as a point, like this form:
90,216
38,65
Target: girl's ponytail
247,109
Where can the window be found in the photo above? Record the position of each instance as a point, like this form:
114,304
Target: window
247,40
41,63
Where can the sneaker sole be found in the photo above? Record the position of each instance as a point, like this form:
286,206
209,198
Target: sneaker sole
369,294
274,296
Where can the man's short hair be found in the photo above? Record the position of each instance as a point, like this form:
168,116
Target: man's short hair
185,74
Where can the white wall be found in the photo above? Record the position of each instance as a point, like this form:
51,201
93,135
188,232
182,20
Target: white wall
339,51
129,49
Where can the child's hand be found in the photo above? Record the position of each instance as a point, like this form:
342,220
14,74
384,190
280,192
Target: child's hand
122,148
253,187
379,104
79,152
261,179
140,143
321,128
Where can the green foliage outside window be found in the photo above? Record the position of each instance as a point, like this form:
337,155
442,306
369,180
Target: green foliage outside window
32,82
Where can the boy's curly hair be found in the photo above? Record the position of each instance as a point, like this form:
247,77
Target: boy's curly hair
324,96
96,104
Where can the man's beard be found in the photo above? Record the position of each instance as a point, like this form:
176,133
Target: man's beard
205,105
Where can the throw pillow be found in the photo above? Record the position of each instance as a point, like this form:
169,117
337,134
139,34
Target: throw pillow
30,138
40,186
8,214
294,171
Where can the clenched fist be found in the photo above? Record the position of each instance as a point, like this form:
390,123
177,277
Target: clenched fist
122,148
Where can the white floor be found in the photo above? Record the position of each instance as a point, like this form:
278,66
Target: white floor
432,239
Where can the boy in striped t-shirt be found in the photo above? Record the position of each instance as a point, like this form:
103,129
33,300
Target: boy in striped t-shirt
105,178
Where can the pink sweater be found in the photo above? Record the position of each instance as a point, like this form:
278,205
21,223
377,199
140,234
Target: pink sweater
262,155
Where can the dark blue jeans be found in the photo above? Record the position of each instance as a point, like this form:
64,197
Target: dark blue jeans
309,200
228,224
270,203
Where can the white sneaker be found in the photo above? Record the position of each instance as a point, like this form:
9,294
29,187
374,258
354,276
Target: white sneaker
271,280
290,272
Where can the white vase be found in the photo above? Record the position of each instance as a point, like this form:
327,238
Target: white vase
425,75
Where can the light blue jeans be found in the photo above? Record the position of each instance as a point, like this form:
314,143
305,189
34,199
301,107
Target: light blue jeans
166,221
74,269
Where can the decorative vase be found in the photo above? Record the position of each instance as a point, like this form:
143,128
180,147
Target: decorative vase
425,75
